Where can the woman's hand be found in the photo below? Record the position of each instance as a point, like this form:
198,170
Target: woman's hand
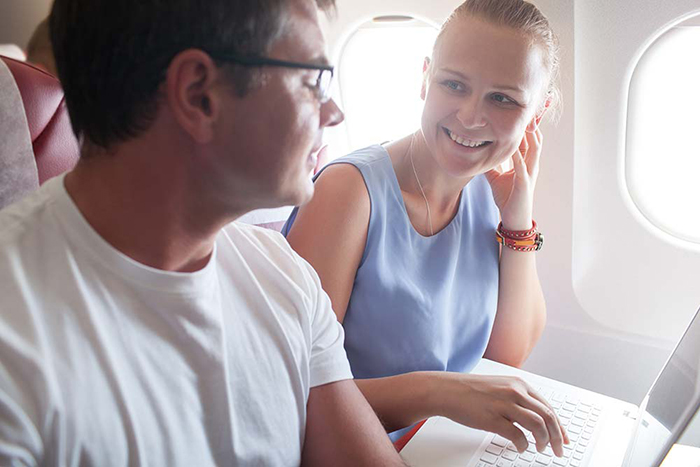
496,403
513,191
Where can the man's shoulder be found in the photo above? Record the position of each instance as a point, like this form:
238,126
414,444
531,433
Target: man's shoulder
259,245
23,217
262,259
267,240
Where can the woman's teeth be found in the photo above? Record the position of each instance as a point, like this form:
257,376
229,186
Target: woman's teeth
465,142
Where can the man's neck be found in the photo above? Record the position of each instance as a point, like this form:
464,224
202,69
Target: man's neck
142,204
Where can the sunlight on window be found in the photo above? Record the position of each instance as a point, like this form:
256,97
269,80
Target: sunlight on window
663,139
380,80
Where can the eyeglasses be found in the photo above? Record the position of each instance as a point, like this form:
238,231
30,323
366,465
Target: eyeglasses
323,81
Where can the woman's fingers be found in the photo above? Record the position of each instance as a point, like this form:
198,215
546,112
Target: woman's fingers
532,158
492,174
539,397
534,413
519,166
524,146
554,430
534,423
509,407
536,166
513,434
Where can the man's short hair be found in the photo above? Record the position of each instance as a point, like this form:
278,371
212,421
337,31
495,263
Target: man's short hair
112,55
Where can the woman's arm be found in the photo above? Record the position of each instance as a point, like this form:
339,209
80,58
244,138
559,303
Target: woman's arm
521,311
331,230
490,403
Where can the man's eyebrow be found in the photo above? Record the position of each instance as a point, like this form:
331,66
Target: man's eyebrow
321,60
504,87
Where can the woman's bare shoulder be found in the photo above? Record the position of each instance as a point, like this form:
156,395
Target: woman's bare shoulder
341,188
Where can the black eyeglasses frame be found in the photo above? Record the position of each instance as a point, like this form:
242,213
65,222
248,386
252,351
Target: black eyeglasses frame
323,88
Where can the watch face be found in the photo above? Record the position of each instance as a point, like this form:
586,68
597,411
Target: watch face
539,241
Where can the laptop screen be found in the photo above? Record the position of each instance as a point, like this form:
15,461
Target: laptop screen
672,401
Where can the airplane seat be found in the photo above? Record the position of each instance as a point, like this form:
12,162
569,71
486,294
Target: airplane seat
13,51
49,147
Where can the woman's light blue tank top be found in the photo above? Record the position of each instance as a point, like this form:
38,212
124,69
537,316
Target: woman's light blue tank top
420,303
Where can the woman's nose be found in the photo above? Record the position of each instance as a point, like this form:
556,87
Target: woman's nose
470,113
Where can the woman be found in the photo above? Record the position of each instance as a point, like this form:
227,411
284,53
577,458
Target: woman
403,236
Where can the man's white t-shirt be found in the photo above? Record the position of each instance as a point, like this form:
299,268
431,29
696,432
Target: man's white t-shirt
105,361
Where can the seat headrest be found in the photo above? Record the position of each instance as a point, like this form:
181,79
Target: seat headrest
12,51
18,173
53,141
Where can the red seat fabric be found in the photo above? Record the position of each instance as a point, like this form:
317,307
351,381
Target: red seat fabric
55,145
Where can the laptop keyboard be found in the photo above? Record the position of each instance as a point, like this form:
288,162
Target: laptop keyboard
578,417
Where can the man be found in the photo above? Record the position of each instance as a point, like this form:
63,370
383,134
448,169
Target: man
138,325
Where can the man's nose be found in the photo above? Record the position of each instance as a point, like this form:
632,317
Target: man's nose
471,113
331,114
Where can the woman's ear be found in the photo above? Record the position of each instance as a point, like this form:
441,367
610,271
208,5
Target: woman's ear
426,71
535,122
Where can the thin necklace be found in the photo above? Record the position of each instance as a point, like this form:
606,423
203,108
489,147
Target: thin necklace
427,205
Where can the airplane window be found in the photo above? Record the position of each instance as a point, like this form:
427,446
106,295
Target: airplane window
663,137
380,75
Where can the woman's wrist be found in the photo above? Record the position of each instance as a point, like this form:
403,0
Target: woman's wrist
520,240
422,394
429,388
449,391
517,223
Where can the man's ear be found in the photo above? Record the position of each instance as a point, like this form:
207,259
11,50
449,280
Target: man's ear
191,94
426,71
535,122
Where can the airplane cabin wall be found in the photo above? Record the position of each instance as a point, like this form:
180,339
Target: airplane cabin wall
19,18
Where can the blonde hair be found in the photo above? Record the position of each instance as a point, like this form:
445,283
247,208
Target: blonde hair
521,16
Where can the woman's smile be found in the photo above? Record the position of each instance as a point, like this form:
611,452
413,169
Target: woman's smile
466,142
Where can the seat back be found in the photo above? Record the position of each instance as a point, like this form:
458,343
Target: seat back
53,142
18,174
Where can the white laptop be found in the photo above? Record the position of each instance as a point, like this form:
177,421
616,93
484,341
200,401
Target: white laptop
604,432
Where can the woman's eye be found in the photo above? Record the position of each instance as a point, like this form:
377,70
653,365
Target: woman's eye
452,85
503,99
